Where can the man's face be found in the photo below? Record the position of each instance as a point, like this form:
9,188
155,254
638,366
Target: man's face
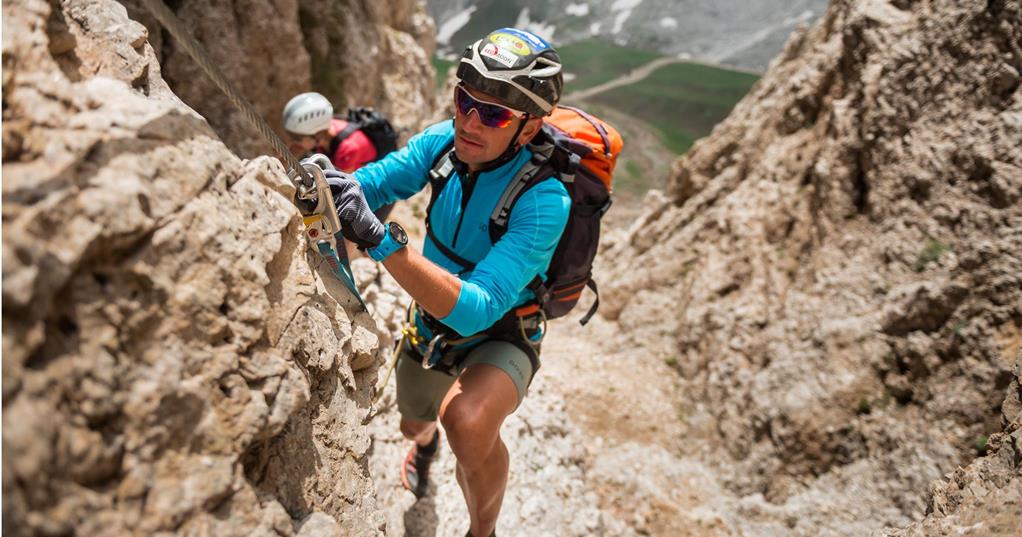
300,144
474,142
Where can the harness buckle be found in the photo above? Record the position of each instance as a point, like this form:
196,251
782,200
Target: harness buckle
427,363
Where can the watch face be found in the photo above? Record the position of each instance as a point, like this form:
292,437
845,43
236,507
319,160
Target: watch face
398,233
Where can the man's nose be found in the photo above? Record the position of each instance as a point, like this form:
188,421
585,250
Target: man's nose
472,121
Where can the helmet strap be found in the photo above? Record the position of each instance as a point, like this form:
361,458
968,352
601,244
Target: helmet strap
512,147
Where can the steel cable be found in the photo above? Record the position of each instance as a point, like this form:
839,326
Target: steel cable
195,50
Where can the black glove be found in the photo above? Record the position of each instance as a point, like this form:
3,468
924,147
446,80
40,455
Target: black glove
358,224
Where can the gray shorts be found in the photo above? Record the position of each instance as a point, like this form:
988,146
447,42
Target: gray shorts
421,391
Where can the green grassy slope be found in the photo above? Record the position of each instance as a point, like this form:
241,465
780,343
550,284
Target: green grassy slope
645,161
442,66
594,62
682,102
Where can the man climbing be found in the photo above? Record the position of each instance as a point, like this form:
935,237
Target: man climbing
478,328
361,137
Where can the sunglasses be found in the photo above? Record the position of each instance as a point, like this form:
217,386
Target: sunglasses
490,114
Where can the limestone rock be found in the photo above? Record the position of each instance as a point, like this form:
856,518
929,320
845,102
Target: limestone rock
837,274
356,53
174,358
984,498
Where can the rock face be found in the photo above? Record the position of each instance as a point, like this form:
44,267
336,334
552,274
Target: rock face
836,270
174,360
985,498
356,53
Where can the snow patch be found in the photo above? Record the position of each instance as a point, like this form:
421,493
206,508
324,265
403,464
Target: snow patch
619,21
668,22
594,28
452,25
546,31
625,5
578,10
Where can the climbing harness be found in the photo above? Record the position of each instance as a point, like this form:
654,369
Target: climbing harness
311,188
430,358
522,327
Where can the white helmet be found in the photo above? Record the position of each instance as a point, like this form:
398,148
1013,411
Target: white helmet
308,113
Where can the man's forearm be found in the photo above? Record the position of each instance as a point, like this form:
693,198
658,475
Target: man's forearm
432,287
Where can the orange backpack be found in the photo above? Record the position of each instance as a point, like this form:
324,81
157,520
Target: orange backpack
597,143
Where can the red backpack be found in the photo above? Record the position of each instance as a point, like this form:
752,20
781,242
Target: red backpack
580,150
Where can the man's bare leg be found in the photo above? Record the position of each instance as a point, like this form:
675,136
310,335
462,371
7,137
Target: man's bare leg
421,432
472,412
487,508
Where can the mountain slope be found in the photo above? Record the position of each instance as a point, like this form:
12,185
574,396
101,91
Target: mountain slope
835,272
732,32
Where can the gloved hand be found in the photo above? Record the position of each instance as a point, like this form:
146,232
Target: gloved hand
358,224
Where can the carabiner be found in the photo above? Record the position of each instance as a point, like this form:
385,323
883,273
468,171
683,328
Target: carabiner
427,363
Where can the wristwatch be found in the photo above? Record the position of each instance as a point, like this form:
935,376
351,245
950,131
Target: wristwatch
393,240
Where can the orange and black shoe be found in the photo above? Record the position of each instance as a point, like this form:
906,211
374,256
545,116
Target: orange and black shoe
415,468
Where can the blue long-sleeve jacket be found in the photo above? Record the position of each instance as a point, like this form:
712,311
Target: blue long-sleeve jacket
498,282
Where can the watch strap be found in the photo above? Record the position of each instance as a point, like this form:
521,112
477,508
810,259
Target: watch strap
386,247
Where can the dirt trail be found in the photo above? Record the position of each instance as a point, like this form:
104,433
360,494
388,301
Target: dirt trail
627,406
596,449
631,78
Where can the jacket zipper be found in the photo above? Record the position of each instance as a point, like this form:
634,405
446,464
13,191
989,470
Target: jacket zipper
465,196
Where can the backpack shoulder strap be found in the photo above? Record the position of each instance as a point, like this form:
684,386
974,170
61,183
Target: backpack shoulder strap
439,174
335,142
541,166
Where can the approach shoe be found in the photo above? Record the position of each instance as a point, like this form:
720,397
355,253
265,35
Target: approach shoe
415,468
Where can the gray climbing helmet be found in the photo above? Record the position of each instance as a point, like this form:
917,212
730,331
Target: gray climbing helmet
517,67
308,113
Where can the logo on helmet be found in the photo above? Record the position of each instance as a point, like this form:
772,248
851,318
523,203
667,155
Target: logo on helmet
536,42
512,43
500,54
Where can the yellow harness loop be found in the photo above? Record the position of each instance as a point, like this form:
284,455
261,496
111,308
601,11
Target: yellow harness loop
408,333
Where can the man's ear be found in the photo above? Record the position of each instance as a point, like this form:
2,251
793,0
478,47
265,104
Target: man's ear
532,127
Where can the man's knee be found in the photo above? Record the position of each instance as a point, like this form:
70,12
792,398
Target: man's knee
470,431
414,429
464,420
